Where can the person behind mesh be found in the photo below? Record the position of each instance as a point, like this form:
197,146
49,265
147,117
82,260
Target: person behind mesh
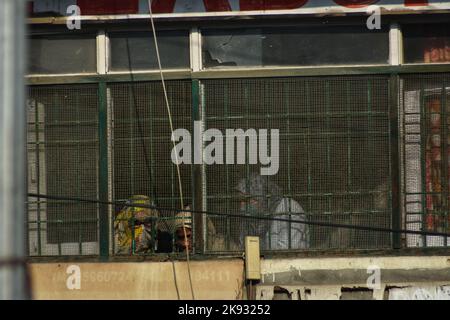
183,230
261,197
136,226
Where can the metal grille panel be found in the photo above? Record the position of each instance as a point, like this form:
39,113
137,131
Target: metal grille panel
334,154
142,143
62,161
426,107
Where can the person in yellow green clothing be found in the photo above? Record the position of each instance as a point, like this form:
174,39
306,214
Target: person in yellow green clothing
142,222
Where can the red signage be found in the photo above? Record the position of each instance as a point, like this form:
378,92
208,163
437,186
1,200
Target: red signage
355,3
364,3
248,5
167,6
198,7
90,7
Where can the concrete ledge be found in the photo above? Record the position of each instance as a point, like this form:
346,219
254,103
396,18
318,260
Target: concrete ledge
355,277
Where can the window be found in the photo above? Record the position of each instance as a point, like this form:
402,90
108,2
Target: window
426,103
337,133
63,158
260,47
61,54
136,51
427,43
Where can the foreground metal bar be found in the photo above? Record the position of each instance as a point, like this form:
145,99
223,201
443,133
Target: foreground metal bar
12,145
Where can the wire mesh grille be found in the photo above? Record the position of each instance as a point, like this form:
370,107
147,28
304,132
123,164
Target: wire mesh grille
142,143
334,157
62,161
426,107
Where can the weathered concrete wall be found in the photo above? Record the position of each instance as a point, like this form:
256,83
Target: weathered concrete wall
298,278
141,280
356,278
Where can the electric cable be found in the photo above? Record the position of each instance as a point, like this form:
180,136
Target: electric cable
266,218
148,166
169,113
175,279
138,120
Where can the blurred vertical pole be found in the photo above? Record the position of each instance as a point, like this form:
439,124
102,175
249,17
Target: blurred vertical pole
12,150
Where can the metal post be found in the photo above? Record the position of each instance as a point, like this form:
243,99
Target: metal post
103,172
12,146
396,223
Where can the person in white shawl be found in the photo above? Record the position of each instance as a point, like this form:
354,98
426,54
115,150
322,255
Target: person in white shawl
261,197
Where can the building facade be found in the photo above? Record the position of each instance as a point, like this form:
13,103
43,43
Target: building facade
359,91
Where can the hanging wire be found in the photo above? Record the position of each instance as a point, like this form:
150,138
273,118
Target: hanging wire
169,113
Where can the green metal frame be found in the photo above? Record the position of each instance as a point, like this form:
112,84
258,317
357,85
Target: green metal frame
241,73
196,181
394,162
103,171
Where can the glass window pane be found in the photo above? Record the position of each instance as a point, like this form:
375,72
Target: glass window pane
294,46
58,54
427,43
137,51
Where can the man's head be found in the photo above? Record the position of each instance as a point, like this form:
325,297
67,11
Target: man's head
183,230
258,195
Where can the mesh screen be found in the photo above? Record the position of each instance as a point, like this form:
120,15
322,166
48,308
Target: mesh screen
142,144
62,161
334,156
426,105
334,159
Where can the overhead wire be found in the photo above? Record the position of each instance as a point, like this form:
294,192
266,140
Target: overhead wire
264,218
